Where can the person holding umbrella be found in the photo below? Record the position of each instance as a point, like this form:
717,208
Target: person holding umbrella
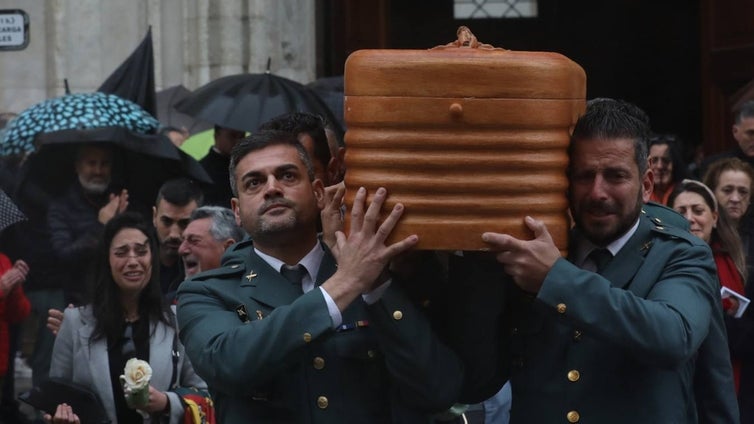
76,219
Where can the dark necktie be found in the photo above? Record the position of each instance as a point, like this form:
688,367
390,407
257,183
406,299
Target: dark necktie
600,257
294,274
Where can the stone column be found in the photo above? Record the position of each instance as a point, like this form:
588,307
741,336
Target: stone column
236,36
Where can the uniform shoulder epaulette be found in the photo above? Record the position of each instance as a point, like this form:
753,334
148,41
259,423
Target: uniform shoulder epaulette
243,244
227,270
673,232
665,215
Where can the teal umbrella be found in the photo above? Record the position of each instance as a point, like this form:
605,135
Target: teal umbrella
80,111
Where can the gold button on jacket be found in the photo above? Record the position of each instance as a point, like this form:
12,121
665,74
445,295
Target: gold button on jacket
319,363
279,382
561,308
573,417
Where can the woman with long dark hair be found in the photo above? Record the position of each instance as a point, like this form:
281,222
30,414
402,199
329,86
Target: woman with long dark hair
710,222
126,319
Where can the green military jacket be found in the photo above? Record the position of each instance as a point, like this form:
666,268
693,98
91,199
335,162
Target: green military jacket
714,391
621,346
270,355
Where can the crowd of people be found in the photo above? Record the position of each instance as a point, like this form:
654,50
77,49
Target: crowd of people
250,292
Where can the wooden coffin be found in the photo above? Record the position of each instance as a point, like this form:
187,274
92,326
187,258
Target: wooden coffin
470,138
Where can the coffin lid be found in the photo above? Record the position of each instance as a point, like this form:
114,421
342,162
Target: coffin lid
461,69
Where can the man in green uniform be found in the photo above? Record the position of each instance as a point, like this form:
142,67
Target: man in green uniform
337,343
612,333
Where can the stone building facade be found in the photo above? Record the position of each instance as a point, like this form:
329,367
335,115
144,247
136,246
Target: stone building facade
195,41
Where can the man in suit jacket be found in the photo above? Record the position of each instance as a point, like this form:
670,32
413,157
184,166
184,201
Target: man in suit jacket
340,344
610,336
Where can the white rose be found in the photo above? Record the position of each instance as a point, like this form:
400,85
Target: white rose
137,374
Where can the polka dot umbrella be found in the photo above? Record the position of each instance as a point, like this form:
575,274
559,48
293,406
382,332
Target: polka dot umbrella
79,111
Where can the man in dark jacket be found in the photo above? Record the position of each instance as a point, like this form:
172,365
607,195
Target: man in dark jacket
76,219
176,200
216,164
743,133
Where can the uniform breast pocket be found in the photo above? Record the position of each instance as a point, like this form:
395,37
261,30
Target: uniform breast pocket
362,364
356,344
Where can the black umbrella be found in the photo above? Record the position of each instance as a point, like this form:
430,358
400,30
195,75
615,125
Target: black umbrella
134,78
9,212
141,163
330,90
168,115
243,102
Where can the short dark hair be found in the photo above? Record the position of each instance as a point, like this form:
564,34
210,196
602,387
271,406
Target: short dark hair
303,122
104,293
180,192
223,222
746,110
611,119
259,141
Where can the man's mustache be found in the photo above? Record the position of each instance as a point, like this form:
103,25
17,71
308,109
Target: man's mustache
172,242
601,208
275,202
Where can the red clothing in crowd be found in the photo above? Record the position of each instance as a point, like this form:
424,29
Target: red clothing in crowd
729,277
14,308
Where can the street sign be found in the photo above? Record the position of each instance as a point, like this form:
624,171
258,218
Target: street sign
14,29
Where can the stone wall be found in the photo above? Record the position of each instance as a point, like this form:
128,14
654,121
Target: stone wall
195,41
